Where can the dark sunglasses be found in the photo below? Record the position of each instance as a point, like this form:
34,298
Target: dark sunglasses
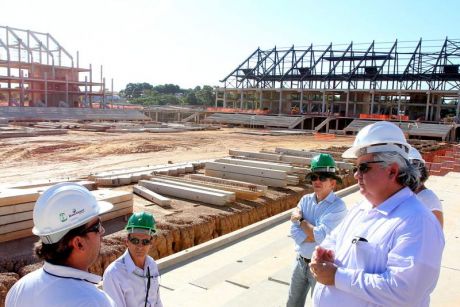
136,241
97,228
321,177
364,167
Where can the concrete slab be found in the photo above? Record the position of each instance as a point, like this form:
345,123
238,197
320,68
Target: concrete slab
263,280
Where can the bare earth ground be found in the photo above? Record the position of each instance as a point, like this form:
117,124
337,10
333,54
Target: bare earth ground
185,224
80,153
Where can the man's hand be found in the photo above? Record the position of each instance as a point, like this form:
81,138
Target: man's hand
296,215
322,266
320,254
324,272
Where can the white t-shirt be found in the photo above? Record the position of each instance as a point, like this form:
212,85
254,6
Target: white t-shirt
430,200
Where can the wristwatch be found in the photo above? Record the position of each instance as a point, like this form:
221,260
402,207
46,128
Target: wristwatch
301,219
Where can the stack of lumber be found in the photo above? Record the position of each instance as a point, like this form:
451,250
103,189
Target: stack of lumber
133,175
258,172
311,154
16,209
189,191
242,190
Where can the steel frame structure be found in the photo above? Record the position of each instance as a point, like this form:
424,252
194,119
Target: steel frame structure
37,69
422,65
421,75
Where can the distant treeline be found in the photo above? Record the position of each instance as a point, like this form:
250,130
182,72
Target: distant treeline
171,94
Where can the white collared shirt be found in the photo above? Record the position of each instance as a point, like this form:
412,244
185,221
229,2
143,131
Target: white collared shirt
56,285
126,284
430,200
324,216
396,263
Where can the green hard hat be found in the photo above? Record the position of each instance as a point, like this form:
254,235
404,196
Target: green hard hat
322,163
141,222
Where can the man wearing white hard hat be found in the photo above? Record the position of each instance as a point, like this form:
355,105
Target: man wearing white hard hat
66,218
387,251
426,196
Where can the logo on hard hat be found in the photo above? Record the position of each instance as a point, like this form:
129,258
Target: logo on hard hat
63,217
75,212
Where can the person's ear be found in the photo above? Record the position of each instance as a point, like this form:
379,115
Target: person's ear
77,243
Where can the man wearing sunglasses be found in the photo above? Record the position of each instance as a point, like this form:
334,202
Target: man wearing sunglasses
133,279
314,217
387,251
66,218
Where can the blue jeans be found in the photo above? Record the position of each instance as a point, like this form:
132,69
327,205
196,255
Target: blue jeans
301,281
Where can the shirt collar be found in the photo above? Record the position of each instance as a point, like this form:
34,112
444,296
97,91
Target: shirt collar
69,272
330,198
390,203
129,263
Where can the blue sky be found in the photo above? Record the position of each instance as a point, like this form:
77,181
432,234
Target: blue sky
199,42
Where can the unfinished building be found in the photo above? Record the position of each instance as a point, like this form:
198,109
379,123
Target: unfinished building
403,80
36,70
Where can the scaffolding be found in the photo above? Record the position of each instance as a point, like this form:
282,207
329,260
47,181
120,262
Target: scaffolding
36,71
417,78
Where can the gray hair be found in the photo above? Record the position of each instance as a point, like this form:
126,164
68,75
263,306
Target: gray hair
408,176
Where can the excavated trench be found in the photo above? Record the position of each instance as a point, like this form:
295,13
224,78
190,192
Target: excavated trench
173,235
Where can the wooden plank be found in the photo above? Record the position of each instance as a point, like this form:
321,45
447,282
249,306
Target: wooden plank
246,170
152,196
248,178
240,192
229,195
15,217
16,235
218,199
112,196
16,196
236,183
258,155
16,208
261,164
26,224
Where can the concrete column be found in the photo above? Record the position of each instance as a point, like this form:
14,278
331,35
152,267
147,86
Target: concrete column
301,101
346,103
354,104
46,89
261,100
438,108
280,103
457,112
427,109
225,98
241,99
371,111
323,104
399,104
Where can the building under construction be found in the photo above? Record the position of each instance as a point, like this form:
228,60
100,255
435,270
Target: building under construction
41,80
416,80
36,70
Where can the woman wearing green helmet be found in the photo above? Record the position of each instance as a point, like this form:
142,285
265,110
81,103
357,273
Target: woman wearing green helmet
132,279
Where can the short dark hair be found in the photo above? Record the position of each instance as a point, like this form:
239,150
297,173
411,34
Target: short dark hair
58,253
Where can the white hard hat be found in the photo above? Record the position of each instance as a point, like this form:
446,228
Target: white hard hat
414,154
381,136
63,207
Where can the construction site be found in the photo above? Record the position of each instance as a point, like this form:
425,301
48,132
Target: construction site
214,177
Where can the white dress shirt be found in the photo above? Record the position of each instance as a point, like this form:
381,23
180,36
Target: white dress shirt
57,286
324,216
396,262
430,200
126,284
